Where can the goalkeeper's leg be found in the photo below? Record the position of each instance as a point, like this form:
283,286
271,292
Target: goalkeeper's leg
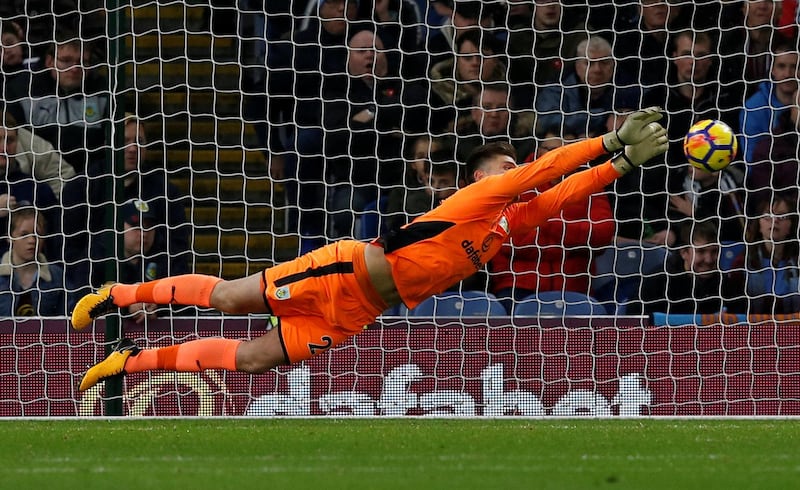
240,296
293,339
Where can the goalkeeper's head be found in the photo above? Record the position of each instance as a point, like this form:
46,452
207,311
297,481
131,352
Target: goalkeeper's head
490,159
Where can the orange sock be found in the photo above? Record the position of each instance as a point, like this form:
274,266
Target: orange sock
196,355
188,289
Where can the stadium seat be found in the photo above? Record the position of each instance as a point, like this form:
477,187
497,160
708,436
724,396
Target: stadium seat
371,221
664,319
728,253
465,303
618,272
559,304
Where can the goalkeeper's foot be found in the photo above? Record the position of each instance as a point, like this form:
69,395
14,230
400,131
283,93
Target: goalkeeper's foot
91,306
112,365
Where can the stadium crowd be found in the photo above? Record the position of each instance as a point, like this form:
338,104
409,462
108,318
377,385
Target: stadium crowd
370,108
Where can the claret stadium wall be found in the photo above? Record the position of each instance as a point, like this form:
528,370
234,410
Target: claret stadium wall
453,367
248,132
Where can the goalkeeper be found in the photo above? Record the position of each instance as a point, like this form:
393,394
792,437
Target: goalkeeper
320,299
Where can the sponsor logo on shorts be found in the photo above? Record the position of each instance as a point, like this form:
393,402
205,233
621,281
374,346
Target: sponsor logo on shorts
283,293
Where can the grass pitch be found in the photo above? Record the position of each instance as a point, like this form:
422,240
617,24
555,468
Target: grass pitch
413,453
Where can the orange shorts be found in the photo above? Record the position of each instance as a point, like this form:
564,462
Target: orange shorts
321,298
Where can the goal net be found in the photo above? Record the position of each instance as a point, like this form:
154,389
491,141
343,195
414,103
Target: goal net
148,138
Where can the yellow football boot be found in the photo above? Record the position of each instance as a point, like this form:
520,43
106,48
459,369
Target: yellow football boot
91,306
112,365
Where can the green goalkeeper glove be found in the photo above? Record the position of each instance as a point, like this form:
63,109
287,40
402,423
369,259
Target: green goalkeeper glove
633,130
654,142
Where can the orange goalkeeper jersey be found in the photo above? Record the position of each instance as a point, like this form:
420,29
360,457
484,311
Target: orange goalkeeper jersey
453,241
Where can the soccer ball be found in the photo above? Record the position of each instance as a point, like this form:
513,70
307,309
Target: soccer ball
710,145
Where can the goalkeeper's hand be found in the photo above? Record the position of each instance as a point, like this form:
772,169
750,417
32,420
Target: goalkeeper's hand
633,130
655,142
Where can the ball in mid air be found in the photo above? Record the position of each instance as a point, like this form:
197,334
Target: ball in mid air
710,145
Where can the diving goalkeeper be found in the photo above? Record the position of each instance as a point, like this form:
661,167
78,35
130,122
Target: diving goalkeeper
322,298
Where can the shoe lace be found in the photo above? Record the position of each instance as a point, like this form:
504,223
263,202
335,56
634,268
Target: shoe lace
102,307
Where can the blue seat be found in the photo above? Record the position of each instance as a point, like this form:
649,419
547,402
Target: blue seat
678,319
559,304
675,319
728,253
618,272
465,303
370,221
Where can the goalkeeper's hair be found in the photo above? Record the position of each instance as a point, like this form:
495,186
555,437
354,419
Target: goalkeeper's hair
484,153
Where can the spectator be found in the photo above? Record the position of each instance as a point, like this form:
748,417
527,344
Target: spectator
17,186
744,48
35,156
297,66
364,127
548,139
642,46
691,92
776,161
14,62
30,285
141,261
712,196
399,24
789,18
408,200
542,43
86,217
773,97
441,180
68,103
465,16
556,256
691,282
770,261
640,200
478,59
490,119
582,103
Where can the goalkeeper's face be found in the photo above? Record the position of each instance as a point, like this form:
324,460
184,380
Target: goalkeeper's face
497,165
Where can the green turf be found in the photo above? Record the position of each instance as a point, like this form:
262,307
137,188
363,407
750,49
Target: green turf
154,454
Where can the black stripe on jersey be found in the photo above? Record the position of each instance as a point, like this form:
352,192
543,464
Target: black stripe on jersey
413,233
335,268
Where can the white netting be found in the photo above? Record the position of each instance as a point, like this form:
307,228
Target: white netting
245,132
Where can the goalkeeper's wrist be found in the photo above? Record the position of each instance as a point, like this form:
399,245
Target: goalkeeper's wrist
611,142
622,163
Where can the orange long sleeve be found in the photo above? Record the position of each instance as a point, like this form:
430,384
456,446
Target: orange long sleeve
552,165
574,189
